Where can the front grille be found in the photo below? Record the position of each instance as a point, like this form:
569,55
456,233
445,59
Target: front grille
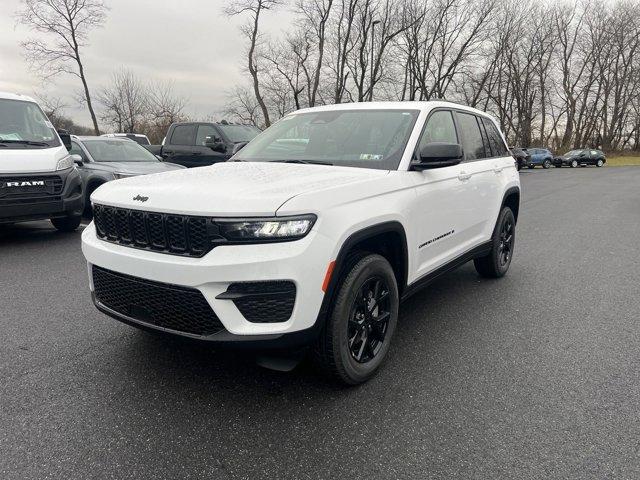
25,188
263,302
161,232
164,305
28,201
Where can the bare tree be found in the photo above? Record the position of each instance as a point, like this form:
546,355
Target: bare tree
251,31
68,24
125,102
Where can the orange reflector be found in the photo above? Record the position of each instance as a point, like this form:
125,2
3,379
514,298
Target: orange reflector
327,276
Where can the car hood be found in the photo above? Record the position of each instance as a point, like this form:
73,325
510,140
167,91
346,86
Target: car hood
137,168
27,160
228,188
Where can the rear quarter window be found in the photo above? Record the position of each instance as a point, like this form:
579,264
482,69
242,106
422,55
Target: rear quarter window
498,147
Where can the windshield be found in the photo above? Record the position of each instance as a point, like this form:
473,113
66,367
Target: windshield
106,150
24,125
573,153
354,138
239,133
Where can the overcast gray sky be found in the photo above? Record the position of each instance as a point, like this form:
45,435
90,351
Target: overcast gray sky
189,42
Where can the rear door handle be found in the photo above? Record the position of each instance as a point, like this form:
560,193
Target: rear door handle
497,168
464,176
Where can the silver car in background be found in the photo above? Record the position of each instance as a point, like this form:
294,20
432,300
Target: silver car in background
102,159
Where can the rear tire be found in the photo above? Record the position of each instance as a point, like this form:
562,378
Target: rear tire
496,263
359,329
531,167
599,163
546,164
67,224
574,164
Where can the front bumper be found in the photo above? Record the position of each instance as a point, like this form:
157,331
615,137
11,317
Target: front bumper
68,201
303,262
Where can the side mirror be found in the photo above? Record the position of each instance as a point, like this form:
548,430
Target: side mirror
216,144
77,159
438,155
66,138
159,157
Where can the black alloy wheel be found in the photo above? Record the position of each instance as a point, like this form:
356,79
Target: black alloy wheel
360,327
369,320
495,264
505,247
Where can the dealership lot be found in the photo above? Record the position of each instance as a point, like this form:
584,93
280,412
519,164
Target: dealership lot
534,375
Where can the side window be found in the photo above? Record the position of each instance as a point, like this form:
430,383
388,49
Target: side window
76,150
205,131
498,148
183,135
471,137
440,128
594,153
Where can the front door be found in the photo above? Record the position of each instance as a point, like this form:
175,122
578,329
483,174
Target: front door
440,217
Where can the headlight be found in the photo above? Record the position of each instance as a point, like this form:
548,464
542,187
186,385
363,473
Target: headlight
119,175
267,229
64,163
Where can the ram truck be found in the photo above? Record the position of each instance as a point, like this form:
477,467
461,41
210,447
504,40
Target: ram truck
198,144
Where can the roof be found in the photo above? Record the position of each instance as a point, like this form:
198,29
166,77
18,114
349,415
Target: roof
83,138
422,106
16,96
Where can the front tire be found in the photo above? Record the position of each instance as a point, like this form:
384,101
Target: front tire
574,164
358,332
496,263
67,224
546,164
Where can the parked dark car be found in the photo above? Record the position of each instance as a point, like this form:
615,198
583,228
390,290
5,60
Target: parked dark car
581,157
521,155
102,159
540,157
196,144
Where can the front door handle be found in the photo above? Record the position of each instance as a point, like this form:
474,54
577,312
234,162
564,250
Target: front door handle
464,176
497,168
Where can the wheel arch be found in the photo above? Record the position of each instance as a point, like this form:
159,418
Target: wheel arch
511,199
388,239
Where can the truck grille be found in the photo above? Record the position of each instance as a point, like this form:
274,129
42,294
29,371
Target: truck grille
28,187
161,232
161,304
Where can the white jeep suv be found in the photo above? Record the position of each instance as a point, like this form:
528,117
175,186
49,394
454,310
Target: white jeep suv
312,234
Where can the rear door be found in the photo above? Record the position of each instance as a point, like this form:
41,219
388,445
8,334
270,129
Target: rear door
481,186
179,146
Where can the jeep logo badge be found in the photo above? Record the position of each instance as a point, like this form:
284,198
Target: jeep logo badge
33,183
140,198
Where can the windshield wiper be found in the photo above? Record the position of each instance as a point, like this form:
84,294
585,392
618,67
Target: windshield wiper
310,162
26,142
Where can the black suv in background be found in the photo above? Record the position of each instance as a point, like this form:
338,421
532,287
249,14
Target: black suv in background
582,157
197,144
522,156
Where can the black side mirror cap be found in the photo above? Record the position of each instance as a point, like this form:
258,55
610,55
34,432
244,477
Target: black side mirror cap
66,138
77,159
438,155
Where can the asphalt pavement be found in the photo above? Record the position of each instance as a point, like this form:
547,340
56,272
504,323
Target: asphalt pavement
536,375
